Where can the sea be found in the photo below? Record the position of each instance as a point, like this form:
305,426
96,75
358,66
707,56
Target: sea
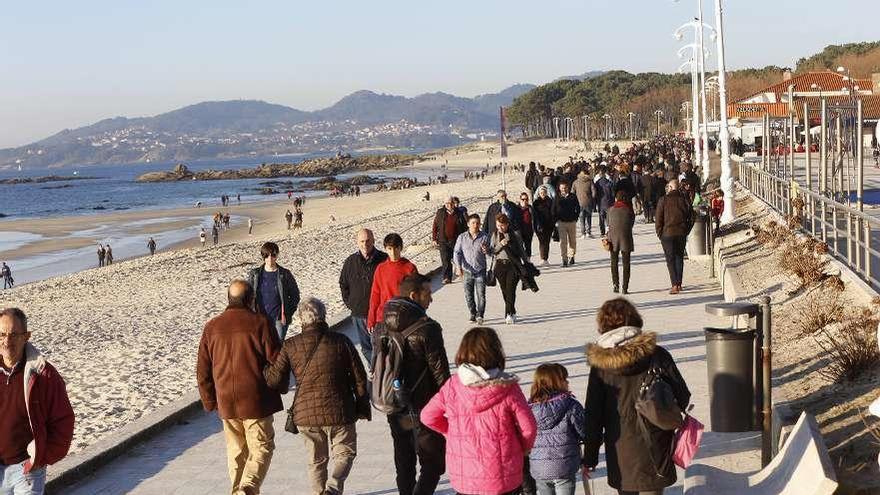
115,189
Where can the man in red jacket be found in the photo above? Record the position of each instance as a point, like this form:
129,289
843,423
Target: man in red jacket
386,279
36,420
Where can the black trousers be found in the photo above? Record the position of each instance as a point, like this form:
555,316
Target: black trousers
508,278
649,212
413,441
673,249
527,236
603,215
544,243
615,275
446,249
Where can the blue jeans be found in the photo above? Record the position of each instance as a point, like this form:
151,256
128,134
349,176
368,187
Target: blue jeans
281,330
586,219
362,339
475,292
13,480
556,487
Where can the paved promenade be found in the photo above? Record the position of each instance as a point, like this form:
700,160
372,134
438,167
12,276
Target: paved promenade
555,324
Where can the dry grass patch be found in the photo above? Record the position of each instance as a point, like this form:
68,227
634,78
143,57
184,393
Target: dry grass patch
852,348
818,310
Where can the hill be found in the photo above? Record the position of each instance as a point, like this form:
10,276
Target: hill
617,93
226,129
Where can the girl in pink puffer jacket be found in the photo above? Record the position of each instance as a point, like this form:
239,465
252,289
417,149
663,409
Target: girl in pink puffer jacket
485,418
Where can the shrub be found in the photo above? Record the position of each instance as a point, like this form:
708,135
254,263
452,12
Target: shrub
851,349
799,258
772,234
818,310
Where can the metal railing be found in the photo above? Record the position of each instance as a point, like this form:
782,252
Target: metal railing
848,232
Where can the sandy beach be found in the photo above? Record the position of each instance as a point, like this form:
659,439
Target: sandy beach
125,337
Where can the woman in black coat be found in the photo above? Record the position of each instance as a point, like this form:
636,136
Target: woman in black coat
621,219
638,462
527,228
544,222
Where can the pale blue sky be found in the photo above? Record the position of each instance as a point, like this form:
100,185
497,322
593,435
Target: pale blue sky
64,64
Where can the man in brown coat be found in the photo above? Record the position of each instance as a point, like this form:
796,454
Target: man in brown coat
235,348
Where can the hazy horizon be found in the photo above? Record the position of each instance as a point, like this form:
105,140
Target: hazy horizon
67,65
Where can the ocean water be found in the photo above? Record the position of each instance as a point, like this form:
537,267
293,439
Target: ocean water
116,189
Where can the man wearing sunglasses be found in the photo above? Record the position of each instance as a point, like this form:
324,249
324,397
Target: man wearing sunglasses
277,294
36,420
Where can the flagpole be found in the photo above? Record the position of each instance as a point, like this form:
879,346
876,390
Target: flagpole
503,150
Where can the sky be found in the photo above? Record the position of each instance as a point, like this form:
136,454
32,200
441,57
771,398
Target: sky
66,64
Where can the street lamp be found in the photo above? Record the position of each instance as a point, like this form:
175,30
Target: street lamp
658,113
695,123
631,129
686,108
723,132
698,26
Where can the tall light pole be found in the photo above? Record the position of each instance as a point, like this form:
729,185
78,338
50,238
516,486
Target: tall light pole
723,132
698,69
695,109
686,108
705,130
712,86
632,133
607,126
658,113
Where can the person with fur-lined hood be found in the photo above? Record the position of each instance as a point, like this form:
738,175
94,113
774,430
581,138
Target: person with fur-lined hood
638,462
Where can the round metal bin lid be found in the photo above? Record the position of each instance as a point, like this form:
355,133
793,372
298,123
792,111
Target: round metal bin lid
732,309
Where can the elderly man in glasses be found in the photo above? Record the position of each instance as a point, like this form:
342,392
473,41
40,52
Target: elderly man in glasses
277,294
36,420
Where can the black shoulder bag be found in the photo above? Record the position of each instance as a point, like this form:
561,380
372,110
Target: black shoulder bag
290,425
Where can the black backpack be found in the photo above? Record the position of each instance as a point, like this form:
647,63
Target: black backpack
388,353
656,401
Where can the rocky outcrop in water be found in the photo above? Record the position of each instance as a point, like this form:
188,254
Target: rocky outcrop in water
41,180
315,167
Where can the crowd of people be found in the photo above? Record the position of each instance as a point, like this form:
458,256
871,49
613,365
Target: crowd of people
442,420
472,421
655,179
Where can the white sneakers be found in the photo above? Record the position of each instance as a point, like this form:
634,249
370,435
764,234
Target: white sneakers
479,320
510,319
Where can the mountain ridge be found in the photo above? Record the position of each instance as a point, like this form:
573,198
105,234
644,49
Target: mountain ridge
242,128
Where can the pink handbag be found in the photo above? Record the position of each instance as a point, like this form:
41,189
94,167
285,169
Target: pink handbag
687,442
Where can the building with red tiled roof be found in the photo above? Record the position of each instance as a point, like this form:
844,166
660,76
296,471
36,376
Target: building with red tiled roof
810,88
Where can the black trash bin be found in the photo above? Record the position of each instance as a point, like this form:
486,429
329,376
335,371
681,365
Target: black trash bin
730,354
731,362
